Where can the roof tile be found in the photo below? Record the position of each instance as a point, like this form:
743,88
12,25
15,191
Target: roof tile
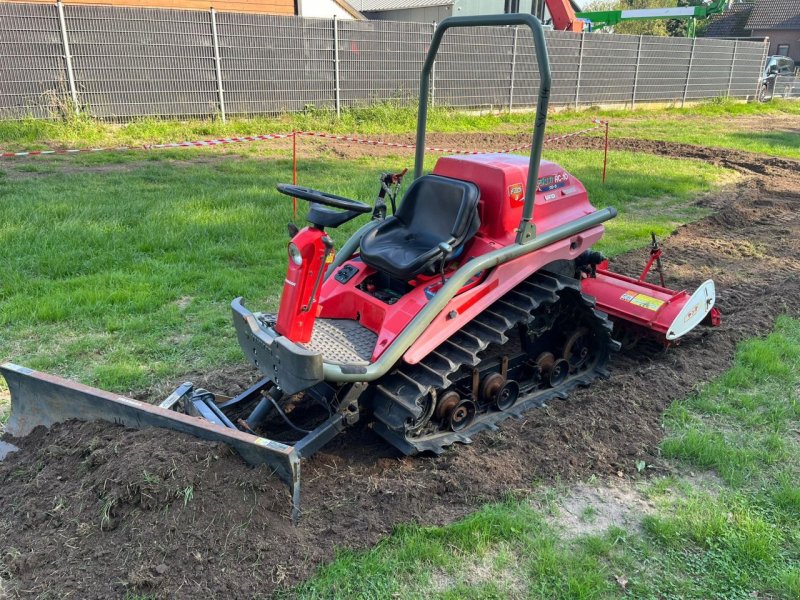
775,14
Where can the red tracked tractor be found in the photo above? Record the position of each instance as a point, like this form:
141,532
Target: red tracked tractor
477,299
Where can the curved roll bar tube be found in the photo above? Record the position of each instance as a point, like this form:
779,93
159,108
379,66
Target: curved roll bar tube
527,230
336,372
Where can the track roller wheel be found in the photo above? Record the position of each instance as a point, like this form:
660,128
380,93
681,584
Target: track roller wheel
578,348
462,415
507,395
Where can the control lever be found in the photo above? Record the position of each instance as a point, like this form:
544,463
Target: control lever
446,250
389,184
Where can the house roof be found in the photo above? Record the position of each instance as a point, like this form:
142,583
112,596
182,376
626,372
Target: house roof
775,14
372,5
348,6
731,23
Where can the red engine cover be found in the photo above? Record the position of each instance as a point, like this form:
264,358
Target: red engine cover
501,178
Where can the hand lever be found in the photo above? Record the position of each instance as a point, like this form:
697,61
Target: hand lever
445,249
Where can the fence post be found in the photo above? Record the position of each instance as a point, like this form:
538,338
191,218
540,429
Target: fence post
733,66
336,65
513,69
217,64
688,73
73,92
636,74
580,70
433,74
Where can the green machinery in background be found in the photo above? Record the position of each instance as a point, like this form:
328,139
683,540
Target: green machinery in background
598,20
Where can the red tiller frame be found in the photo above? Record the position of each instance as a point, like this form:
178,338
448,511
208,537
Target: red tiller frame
657,306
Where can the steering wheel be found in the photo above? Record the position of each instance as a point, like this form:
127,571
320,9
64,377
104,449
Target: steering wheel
324,198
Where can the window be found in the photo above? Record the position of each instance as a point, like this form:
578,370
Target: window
783,49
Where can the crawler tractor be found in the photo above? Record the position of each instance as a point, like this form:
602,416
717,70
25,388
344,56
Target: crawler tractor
477,299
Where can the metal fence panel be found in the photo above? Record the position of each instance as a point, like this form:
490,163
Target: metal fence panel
711,69
381,60
136,62
133,62
786,86
473,67
33,80
748,69
608,68
663,69
272,64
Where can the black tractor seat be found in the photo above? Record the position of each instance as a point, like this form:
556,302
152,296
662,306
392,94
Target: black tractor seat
435,210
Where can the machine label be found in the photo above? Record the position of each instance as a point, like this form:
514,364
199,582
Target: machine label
642,300
516,193
552,182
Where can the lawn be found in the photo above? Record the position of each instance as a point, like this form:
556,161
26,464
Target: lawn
727,527
118,269
718,123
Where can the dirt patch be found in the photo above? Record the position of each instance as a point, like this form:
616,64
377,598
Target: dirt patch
98,511
591,508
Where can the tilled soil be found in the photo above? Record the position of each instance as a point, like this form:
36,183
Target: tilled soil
95,511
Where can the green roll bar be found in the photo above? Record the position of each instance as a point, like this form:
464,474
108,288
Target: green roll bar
527,230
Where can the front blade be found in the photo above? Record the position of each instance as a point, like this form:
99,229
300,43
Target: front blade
41,399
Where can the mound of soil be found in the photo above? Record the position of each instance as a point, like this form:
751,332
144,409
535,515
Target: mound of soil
97,511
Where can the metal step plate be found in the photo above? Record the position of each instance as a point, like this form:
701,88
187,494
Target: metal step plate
342,341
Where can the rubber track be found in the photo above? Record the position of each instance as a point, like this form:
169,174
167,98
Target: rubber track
398,395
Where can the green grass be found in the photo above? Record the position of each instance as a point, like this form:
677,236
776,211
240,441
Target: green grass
740,539
119,271
712,123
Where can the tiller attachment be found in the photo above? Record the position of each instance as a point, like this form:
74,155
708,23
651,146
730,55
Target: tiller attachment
651,310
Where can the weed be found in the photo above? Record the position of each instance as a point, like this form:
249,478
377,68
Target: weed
709,124
150,479
106,512
187,494
589,514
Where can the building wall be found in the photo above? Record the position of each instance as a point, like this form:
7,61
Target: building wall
322,9
272,7
432,14
781,36
464,8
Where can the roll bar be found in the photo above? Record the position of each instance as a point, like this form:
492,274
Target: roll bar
527,230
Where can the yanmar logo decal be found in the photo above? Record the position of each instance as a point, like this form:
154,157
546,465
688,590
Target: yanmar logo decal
516,194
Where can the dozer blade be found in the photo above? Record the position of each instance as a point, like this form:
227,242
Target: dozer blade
41,399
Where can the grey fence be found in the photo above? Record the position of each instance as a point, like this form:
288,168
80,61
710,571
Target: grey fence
122,63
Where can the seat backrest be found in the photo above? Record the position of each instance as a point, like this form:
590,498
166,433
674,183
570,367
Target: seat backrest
442,207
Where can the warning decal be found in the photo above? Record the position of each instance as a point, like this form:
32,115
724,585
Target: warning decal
642,300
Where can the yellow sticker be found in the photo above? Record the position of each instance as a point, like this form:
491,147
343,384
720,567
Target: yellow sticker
642,300
329,260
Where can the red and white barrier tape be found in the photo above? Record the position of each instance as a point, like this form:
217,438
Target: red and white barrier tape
191,144
276,136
